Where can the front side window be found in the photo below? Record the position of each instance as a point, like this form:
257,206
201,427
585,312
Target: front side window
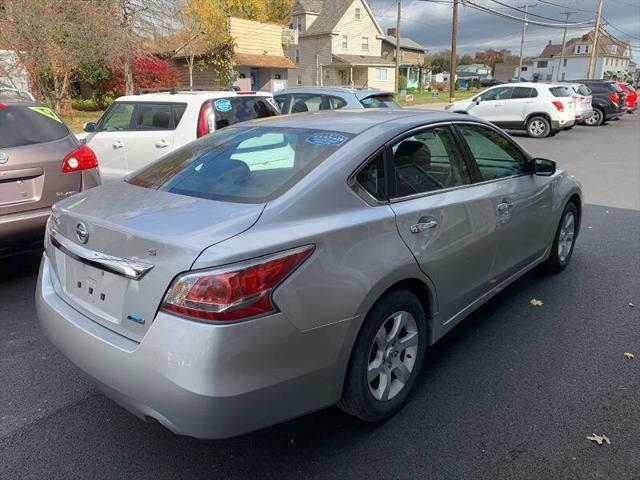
307,103
250,164
498,93
118,117
427,162
495,155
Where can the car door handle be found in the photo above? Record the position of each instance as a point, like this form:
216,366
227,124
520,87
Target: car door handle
423,226
118,144
162,144
504,206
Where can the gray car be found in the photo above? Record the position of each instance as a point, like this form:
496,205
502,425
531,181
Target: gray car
41,162
313,99
287,264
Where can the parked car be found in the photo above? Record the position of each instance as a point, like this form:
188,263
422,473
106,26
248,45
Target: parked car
313,99
490,82
539,109
11,92
41,162
608,101
288,264
582,98
139,129
631,96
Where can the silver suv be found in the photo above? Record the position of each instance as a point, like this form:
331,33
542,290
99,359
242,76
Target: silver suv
312,99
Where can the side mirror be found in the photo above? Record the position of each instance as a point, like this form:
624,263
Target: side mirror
90,127
477,100
544,167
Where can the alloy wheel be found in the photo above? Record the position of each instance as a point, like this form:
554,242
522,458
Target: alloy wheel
392,356
566,235
537,128
593,119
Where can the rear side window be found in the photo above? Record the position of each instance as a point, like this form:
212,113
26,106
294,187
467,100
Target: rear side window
560,91
251,165
372,179
232,110
523,92
26,125
336,102
379,101
156,116
584,90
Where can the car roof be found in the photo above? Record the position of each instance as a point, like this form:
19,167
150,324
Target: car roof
356,121
188,96
360,93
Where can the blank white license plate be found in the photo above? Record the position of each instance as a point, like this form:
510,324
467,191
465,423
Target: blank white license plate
101,293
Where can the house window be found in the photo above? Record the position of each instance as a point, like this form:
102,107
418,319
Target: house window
299,80
564,62
524,68
297,56
345,41
358,13
562,75
380,74
542,64
578,48
365,43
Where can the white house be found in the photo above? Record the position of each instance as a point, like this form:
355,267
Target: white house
475,70
612,59
339,43
12,72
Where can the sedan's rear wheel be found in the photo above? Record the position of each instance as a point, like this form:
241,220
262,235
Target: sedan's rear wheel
538,127
564,241
387,358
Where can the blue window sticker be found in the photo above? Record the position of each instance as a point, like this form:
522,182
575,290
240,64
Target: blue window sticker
367,101
327,139
222,105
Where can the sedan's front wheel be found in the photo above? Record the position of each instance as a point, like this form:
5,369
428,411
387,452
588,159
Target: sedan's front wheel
387,358
564,241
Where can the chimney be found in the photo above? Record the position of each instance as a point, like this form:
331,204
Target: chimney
391,32
549,42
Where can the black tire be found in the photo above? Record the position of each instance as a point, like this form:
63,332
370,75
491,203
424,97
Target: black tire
596,119
538,127
557,262
357,398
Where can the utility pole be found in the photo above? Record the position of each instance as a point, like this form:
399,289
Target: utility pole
564,43
452,68
594,46
398,47
524,32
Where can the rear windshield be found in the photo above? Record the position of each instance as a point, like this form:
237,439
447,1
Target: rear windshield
560,91
26,125
617,88
232,110
379,101
251,164
583,90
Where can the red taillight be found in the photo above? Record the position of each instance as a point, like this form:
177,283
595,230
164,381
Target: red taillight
614,98
205,119
82,158
2,105
559,106
234,293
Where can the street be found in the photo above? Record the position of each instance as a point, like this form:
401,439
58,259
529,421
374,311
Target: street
511,393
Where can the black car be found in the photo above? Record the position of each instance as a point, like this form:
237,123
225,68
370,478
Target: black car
490,82
608,101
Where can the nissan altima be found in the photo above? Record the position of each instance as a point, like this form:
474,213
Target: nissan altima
288,264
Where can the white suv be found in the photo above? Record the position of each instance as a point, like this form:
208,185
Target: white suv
137,130
540,109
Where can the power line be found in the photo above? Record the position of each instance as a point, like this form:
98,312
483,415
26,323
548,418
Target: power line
619,30
529,13
473,5
592,12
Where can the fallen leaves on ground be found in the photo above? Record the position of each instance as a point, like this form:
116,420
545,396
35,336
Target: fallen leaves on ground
536,303
629,356
599,439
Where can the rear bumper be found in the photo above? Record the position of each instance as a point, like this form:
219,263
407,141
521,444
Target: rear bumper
585,115
18,229
563,123
206,381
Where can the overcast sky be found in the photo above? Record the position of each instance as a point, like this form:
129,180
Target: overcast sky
430,23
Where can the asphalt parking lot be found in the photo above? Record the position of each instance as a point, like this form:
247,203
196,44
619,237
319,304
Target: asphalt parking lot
512,393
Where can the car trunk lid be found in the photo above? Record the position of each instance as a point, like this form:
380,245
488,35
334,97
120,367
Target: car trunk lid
126,226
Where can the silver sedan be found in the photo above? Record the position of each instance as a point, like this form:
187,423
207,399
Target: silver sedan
289,264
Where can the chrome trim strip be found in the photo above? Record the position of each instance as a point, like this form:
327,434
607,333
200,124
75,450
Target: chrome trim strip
125,267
